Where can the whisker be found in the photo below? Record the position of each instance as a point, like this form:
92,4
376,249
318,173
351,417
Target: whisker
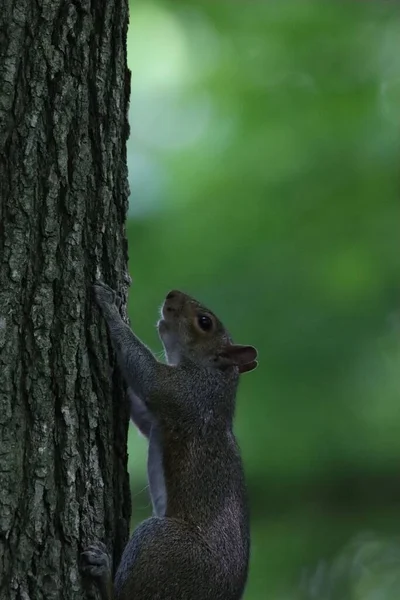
146,487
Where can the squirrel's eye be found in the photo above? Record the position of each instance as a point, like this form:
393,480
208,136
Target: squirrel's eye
205,323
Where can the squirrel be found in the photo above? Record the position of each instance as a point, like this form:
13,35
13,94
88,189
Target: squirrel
199,548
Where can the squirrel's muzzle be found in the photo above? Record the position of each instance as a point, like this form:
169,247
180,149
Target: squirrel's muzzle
173,303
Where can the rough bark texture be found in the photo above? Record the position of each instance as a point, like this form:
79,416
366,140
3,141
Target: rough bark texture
64,88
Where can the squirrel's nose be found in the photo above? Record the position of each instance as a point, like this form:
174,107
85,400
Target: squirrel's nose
175,295
173,301
171,294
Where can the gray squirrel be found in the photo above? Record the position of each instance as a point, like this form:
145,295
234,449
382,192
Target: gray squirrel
198,548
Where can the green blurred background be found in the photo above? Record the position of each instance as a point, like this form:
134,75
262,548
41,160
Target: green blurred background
264,161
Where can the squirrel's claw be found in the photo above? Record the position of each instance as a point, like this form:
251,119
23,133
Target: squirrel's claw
105,295
95,560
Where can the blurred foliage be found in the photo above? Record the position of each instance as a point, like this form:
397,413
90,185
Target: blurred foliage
264,160
368,568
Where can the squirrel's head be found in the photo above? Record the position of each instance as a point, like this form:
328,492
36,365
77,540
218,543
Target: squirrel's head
188,330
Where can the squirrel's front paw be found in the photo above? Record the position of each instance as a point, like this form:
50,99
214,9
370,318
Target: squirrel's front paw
105,296
95,561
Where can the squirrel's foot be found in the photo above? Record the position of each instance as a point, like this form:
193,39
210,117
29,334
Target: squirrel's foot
105,296
96,564
95,561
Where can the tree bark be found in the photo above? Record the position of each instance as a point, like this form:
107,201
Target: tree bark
64,91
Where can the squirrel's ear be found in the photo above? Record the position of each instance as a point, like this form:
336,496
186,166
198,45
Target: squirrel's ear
243,357
248,367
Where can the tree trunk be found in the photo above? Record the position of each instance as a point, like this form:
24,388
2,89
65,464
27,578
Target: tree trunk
64,90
